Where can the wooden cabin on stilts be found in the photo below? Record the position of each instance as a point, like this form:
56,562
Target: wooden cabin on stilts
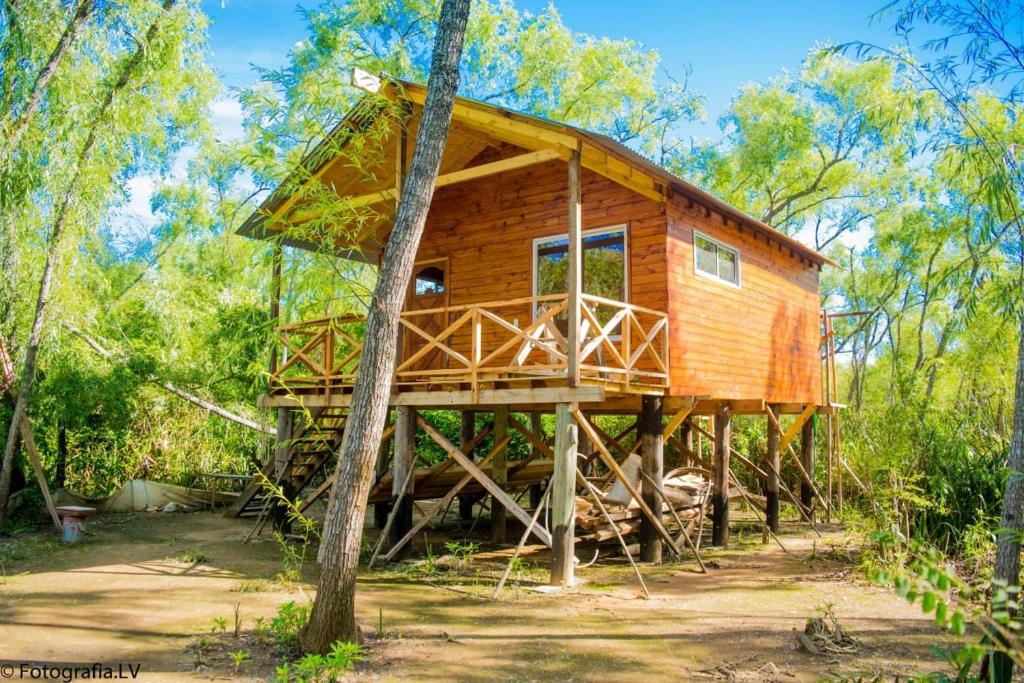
559,274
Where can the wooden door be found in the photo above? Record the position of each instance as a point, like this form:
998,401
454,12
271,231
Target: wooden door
428,289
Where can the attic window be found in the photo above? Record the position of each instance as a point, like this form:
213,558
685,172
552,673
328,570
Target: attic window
429,281
715,261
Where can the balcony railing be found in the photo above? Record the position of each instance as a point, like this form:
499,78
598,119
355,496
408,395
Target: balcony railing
479,345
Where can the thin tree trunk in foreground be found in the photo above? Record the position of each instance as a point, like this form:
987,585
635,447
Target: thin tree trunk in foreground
333,617
53,246
35,97
1009,535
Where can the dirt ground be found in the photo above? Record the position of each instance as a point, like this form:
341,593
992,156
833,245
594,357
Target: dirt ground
126,595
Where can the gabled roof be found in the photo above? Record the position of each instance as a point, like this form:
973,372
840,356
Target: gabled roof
473,119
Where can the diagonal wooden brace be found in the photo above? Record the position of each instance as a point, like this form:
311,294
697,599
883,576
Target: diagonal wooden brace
485,481
609,462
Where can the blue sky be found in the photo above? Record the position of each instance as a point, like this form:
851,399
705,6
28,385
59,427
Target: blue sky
725,44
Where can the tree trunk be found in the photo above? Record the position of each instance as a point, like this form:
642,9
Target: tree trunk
333,617
53,247
1008,541
35,97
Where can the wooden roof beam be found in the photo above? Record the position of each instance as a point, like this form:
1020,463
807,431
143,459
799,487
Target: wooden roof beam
460,176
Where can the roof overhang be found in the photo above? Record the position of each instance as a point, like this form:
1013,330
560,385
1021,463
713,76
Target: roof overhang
542,139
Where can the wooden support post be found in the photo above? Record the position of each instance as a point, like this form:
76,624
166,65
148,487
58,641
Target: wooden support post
563,497
275,307
282,456
720,496
467,431
807,460
651,464
403,460
499,474
829,467
537,429
381,510
574,275
772,479
686,434
585,449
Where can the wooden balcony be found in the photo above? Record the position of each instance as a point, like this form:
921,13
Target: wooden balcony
520,342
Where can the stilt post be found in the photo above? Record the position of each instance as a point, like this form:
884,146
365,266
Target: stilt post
807,460
282,456
467,431
563,497
499,474
720,495
403,460
772,480
651,463
686,437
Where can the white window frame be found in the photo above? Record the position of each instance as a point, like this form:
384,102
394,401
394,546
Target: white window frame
721,245
616,227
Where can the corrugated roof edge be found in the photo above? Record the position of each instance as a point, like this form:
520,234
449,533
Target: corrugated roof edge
252,226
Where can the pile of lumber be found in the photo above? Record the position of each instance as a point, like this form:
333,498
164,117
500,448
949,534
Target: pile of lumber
688,493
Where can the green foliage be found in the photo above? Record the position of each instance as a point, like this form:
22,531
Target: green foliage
927,579
326,668
288,622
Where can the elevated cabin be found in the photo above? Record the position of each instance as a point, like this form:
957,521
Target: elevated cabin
559,271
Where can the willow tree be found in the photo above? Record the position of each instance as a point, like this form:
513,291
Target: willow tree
113,102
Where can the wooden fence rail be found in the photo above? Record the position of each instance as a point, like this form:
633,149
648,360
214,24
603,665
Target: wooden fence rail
478,344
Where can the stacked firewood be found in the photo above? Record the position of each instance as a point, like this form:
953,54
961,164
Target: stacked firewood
688,493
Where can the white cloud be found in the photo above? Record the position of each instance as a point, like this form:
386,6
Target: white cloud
227,118
140,194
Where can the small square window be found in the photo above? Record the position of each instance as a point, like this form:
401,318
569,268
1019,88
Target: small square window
430,280
714,260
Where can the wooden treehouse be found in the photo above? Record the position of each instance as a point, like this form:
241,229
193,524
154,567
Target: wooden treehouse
559,272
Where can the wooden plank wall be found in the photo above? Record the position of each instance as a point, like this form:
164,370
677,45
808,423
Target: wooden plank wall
486,227
758,341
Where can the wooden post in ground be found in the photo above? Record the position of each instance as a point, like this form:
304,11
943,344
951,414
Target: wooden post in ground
829,466
403,460
772,480
720,495
563,497
499,474
282,456
537,428
686,437
467,431
652,464
381,510
585,448
807,460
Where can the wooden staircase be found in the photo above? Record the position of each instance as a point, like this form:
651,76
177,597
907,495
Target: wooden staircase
314,442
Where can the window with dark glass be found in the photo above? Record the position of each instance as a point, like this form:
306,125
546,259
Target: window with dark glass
604,264
430,280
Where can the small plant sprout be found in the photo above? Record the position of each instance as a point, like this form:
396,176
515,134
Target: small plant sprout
239,658
238,620
219,624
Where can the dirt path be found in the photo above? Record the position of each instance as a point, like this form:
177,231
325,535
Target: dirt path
123,597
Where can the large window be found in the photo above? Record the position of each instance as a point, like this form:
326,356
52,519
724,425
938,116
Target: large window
714,260
604,263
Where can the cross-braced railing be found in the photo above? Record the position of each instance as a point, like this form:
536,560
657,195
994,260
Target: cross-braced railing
476,345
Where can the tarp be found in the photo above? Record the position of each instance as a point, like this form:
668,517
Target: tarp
142,494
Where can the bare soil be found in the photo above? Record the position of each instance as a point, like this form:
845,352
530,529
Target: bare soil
127,595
